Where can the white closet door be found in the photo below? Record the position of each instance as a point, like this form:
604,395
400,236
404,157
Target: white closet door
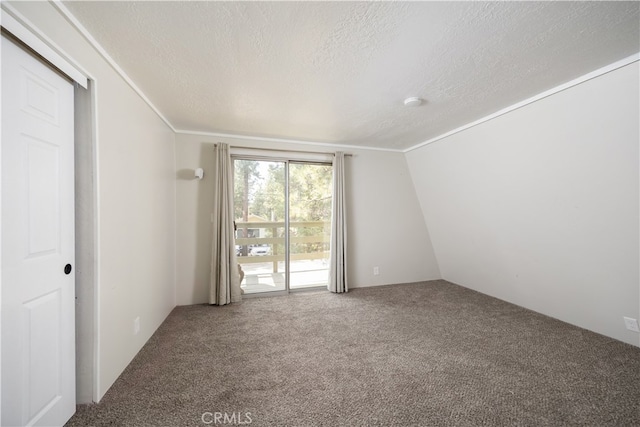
38,329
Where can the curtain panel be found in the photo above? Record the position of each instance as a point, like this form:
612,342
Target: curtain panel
338,247
225,280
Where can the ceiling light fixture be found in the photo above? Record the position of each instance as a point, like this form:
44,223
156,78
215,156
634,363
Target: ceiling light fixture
412,102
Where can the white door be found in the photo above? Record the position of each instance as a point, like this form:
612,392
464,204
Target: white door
38,329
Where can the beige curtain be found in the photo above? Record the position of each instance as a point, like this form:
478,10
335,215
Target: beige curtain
225,280
338,254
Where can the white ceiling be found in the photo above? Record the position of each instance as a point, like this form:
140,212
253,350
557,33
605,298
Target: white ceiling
338,72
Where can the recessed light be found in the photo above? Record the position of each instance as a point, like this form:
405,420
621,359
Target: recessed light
412,102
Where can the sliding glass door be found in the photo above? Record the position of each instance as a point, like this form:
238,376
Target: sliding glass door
283,214
309,224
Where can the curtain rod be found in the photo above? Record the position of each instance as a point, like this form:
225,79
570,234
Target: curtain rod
288,151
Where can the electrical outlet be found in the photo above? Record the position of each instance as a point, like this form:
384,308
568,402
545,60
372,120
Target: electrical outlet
376,271
136,325
631,324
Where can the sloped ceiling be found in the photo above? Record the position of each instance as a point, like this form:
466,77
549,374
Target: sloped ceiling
338,72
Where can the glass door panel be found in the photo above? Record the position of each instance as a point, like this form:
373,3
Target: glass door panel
259,205
283,220
309,224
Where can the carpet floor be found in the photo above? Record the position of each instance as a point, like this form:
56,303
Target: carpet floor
422,354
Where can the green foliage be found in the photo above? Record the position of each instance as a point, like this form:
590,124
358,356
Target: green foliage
269,201
246,175
310,192
259,189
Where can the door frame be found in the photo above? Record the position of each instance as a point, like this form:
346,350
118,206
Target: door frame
86,197
319,159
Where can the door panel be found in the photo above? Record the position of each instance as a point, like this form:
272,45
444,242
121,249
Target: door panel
43,206
38,322
283,214
260,214
41,324
310,223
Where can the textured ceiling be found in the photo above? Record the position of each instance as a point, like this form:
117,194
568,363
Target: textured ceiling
338,72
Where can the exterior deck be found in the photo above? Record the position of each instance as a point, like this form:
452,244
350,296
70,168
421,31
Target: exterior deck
265,269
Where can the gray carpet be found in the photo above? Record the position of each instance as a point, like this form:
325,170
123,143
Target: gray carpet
423,354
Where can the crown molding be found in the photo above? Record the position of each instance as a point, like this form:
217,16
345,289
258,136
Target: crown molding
66,13
284,140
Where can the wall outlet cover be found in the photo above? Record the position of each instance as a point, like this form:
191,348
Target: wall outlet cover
631,324
136,325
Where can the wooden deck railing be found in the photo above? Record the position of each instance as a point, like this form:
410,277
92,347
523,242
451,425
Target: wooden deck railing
273,242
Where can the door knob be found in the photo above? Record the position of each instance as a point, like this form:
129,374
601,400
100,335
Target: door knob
67,269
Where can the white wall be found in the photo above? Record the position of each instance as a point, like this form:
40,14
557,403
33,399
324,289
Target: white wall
385,228
539,207
135,203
